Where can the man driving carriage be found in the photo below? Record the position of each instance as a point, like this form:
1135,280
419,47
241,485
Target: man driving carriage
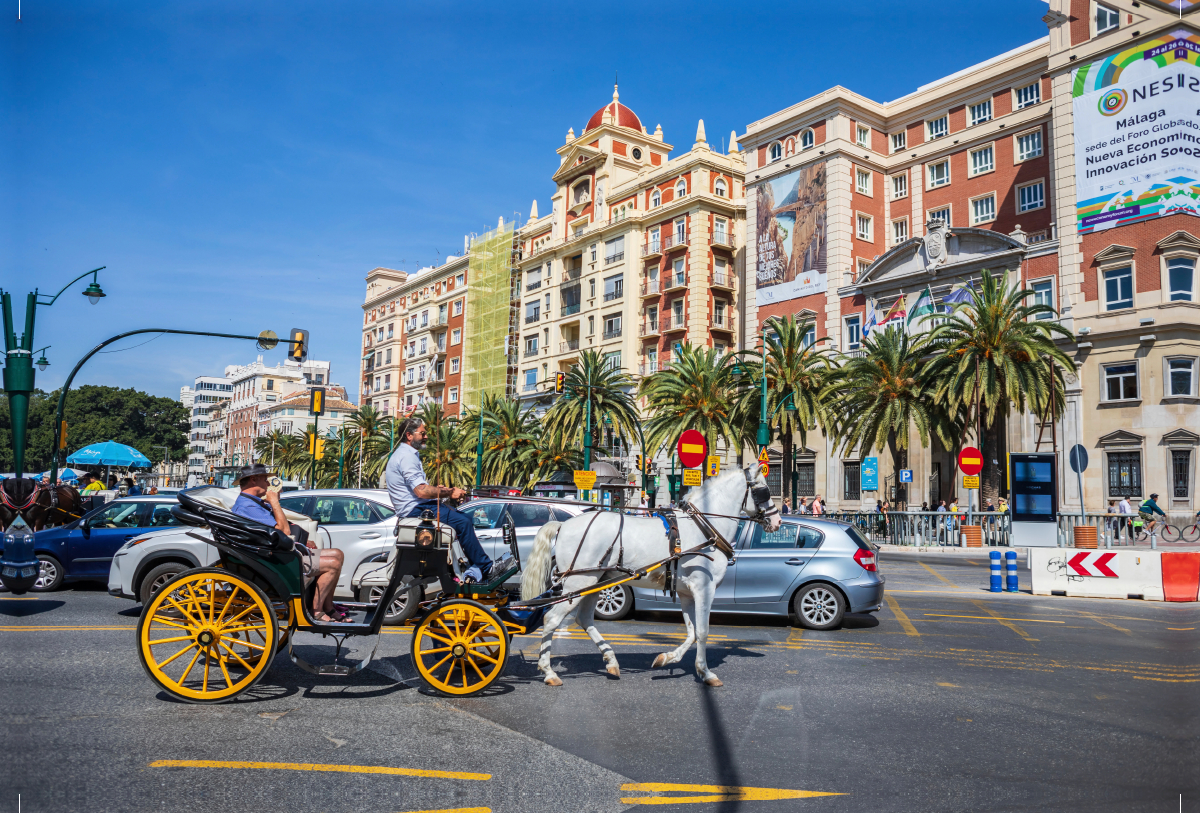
412,494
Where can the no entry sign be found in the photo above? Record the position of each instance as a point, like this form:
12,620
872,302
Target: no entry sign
970,460
692,449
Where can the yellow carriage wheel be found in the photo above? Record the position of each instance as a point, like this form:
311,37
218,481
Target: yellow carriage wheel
203,637
255,634
460,648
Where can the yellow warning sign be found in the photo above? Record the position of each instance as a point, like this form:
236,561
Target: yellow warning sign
585,479
711,793
970,481
692,477
714,466
762,456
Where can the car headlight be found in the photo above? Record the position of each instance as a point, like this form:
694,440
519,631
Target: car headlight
133,542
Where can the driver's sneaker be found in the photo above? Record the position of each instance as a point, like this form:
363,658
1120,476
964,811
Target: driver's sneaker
472,574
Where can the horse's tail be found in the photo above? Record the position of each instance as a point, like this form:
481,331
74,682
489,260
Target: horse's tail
535,579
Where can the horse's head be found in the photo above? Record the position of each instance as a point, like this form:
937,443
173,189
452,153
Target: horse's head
758,504
17,492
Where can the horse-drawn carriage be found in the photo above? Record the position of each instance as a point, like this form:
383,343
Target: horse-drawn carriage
210,634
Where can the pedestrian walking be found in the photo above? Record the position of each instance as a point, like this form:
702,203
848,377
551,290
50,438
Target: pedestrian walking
787,509
802,506
817,507
1123,507
1111,522
131,488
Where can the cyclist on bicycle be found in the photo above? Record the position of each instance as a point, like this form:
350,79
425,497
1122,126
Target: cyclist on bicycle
1147,510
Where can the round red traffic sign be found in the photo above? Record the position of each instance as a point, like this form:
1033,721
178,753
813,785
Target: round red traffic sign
970,460
692,449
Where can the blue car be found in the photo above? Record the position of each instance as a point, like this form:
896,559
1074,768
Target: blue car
84,549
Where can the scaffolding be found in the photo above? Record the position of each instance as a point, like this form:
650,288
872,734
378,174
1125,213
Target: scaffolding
490,354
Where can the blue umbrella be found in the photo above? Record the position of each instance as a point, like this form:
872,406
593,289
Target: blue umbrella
109,453
66,475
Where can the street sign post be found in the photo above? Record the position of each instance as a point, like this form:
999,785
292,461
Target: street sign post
584,480
762,456
1078,458
692,477
906,475
714,466
692,449
970,460
970,481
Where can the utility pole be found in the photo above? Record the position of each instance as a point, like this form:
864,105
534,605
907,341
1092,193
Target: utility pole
166,464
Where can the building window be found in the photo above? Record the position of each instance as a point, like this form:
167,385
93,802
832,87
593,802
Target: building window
863,182
613,360
983,160
530,379
942,214
1181,275
1181,377
612,326
939,174
720,233
807,139
614,250
424,345
864,227
983,210
387,382
391,329
936,128
656,199
680,189
1181,470
899,231
1120,382
981,112
453,399
1029,145
1043,294
1124,474
1031,196
775,152
456,335
531,345
591,325
1118,289
851,480
592,249
899,141
899,186
387,357
460,280
1106,19
614,287
1029,95
719,188
454,364
863,266
853,333
864,136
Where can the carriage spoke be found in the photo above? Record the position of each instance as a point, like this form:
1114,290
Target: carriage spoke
243,629
224,670
176,655
473,666
207,665
182,612
241,642
481,655
160,620
464,672
158,641
439,663
239,657
442,624
228,603
437,637
438,649
188,671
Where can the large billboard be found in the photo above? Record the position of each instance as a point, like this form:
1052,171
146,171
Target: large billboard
1137,133
790,235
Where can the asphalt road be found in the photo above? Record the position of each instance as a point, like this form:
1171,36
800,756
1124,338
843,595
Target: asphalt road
949,699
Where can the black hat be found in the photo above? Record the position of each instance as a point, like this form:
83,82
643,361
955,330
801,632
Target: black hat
253,470
1154,496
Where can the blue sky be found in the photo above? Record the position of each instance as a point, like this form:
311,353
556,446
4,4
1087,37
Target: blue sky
241,166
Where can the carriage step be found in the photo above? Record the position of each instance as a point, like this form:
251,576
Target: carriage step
358,605
334,669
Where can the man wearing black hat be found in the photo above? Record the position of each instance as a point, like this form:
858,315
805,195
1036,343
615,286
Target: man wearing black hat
259,503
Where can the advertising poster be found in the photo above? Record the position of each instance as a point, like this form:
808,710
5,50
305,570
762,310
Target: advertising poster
869,474
1137,133
790,234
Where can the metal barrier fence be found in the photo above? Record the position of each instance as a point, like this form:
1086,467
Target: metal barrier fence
928,528
1112,530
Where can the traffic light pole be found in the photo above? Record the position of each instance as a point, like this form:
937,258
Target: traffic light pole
62,395
312,475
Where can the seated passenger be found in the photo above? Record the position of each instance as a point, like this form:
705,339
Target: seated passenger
411,494
259,503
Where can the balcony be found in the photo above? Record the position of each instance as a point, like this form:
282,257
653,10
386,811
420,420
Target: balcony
723,322
651,249
530,353
673,281
723,239
674,241
650,368
570,310
614,258
720,279
673,322
533,286
569,346
648,329
533,318
571,275
650,288
855,353
613,333
529,387
609,296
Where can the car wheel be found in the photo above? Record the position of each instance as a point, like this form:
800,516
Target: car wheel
402,608
614,603
50,574
157,577
819,607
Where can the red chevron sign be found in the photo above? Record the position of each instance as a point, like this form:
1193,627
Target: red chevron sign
1093,564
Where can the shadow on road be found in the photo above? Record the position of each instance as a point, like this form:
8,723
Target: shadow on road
25,608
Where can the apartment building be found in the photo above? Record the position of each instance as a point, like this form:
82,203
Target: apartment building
640,252
201,397
254,388
413,338
1068,165
216,450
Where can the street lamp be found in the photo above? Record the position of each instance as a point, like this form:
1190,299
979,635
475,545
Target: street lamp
93,292
42,363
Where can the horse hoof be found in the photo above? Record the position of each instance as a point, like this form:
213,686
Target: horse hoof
614,670
554,681
713,681
660,661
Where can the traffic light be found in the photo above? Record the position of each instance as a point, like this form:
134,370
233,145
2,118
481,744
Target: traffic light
316,402
320,453
640,466
560,382
298,352
316,446
62,436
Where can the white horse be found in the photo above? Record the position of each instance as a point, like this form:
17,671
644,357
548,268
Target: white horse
596,540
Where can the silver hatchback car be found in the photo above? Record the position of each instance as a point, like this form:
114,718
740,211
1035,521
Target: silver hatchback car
813,570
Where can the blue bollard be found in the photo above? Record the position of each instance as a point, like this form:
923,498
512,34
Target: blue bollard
1010,565
995,556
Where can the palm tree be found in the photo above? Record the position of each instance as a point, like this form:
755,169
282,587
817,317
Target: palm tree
700,391
266,447
999,357
606,388
881,394
448,454
373,442
797,372
509,434
553,453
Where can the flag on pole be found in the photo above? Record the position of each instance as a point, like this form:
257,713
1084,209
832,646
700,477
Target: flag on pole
897,311
871,322
921,308
963,292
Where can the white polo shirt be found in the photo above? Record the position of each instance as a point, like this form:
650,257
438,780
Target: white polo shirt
404,474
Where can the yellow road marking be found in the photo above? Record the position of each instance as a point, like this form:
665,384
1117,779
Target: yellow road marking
996,617
1005,622
950,685
905,624
939,575
716,793
24,598
1177,629
312,766
1108,624
31,628
784,708
456,810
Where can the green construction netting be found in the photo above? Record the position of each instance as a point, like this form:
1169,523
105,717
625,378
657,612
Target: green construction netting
486,352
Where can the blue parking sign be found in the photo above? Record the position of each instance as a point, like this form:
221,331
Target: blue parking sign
906,475
870,474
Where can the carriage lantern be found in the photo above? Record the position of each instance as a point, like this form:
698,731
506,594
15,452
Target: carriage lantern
18,566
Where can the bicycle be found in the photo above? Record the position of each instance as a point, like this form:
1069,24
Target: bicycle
1172,533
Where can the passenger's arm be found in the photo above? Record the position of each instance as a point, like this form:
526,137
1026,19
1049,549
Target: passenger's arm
281,522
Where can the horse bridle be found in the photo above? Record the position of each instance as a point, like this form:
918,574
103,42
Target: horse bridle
761,496
37,490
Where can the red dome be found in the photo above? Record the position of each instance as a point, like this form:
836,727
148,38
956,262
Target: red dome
624,117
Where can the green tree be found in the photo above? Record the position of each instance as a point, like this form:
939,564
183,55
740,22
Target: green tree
448,455
552,453
997,356
608,389
267,447
510,433
372,432
700,391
